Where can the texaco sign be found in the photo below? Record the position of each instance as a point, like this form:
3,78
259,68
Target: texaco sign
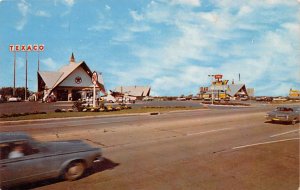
94,77
78,80
28,47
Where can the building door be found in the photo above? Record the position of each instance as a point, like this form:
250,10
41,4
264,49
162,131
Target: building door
62,95
76,94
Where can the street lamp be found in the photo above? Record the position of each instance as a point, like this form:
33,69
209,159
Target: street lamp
212,88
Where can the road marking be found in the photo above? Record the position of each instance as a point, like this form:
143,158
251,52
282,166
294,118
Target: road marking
262,143
211,131
284,133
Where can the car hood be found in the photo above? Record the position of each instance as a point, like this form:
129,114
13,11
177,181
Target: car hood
68,146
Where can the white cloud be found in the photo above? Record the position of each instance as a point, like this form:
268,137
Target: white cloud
122,37
50,63
69,2
139,28
187,2
42,13
136,16
108,8
23,8
220,41
103,23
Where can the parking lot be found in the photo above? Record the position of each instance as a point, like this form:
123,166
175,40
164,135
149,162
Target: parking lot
202,149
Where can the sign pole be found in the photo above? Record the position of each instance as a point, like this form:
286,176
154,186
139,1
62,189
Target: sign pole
14,90
26,76
94,96
39,60
94,81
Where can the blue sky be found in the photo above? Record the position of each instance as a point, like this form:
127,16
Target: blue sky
170,45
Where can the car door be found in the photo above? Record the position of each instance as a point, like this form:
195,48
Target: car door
34,165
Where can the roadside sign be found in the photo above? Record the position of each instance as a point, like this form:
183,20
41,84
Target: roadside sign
218,76
94,77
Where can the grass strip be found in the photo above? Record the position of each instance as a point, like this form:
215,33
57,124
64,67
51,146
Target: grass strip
83,114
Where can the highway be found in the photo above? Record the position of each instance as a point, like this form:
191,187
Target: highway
228,148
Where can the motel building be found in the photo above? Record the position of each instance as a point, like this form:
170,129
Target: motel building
221,89
70,83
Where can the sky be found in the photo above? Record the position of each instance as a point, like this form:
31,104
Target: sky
170,45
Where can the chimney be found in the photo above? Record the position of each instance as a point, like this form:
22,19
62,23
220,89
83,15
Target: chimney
72,58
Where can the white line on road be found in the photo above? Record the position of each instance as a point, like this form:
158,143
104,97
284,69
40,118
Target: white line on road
285,133
211,131
262,143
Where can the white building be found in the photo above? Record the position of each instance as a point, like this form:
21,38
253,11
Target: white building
137,91
71,82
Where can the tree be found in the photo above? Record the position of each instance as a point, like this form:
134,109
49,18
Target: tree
20,92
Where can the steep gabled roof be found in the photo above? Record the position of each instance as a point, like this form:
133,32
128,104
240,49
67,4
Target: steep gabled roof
134,90
233,89
50,77
67,70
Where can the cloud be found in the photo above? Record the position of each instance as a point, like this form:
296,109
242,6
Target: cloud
187,2
42,13
139,28
108,8
251,39
136,16
102,23
50,63
23,8
69,2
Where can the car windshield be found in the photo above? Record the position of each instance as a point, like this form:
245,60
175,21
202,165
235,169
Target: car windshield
284,109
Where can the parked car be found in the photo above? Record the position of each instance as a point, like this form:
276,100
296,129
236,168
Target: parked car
244,98
42,160
14,99
181,99
280,98
284,114
148,98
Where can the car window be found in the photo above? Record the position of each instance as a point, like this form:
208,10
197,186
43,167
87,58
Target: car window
16,150
284,109
4,150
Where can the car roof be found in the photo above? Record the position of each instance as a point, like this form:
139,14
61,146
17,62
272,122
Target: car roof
13,136
293,107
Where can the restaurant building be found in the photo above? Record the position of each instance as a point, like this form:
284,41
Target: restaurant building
70,83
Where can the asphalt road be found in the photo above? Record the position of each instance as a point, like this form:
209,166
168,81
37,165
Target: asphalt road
203,149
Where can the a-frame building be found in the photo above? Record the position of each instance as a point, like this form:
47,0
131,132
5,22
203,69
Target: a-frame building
70,82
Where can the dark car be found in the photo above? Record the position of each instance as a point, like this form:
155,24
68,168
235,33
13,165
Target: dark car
284,114
37,161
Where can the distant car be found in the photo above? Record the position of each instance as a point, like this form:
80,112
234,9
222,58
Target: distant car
14,99
279,99
207,99
148,98
181,99
245,98
43,160
284,114
195,98
263,98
